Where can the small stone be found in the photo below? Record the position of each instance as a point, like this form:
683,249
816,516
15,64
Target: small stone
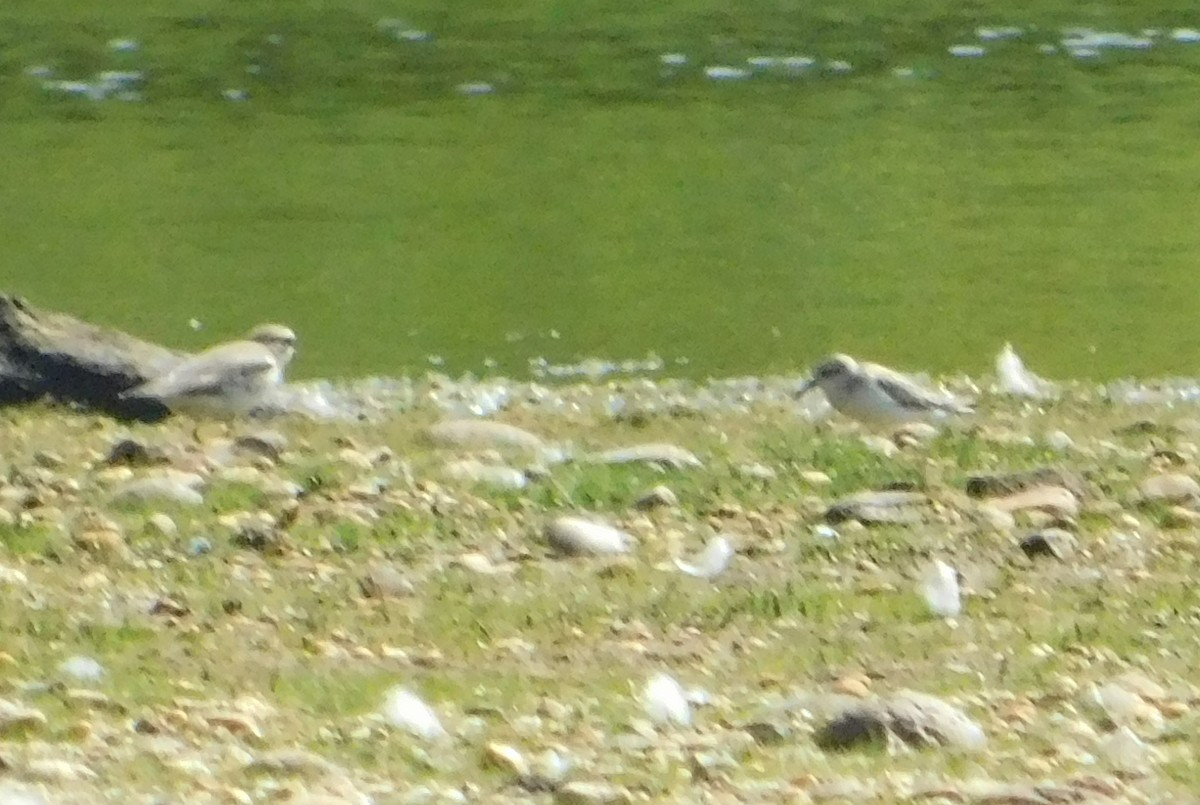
16,717
385,581
269,444
856,685
880,445
854,726
239,724
49,460
1181,517
169,606
658,497
924,720
1005,484
507,758
991,517
199,546
1171,487
132,453
57,770
162,524
406,711
82,669
815,478
92,700
1053,500
290,761
100,540
878,508
665,702
769,732
160,488
494,475
756,472
483,433
712,561
261,537
590,793
665,456
576,536
1055,542
914,434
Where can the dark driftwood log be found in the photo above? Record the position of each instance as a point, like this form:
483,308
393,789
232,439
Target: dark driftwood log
53,355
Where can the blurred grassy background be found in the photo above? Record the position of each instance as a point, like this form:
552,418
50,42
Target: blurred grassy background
749,226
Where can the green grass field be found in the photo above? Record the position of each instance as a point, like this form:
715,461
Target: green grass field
749,226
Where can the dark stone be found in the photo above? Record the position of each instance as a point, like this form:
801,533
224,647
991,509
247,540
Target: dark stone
46,355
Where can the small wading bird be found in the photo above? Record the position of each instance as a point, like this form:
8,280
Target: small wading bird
231,378
876,395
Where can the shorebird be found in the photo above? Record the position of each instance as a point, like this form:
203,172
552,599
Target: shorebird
231,378
876,395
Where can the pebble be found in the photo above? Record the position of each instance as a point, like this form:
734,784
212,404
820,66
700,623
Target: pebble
289,760
939,587
385,581
484,433
577,536
1054,500
665,456
1171,487
987,485
712,561
665,702
199,546
270,444
493,475
815,478
57,770
18,717
657,497
878,508
757,472
82,668
580,792
918,719
174,489
507,758
406,711
1055,542
162,524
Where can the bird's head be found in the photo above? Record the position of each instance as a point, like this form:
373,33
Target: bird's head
277,338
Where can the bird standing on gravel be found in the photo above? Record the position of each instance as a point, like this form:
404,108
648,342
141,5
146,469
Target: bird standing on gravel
231,378
876,395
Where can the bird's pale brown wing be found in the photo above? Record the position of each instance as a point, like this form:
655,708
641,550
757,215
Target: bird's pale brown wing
909,394
210,372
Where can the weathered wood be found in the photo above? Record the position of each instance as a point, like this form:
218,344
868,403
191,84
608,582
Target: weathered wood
48,355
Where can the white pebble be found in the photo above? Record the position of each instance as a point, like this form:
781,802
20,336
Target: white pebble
673,59
939,586
967,51
665,702
1186,35
579,537
84,669
475,88
721,72
711,562
404,710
